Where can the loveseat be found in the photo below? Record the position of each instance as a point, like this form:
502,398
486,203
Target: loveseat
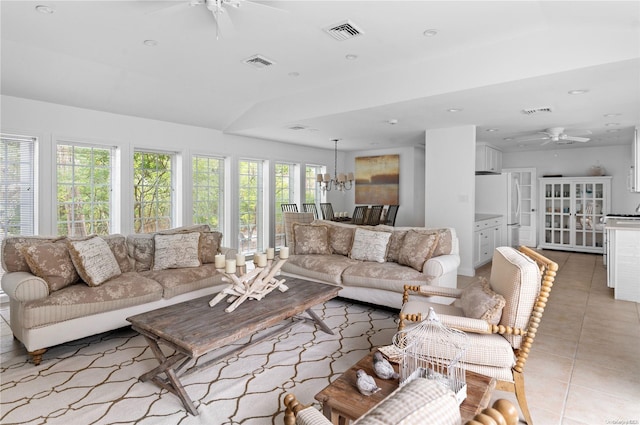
62,289
371,263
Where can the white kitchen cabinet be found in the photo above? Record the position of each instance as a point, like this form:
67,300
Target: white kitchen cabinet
573,213
623,259
487,236
488,158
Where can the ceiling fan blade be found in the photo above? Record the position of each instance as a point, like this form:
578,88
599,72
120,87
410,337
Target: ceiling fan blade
578,132
549,140
225,27
529,138
576,139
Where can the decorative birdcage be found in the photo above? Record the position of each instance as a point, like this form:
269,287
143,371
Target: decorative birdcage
432,350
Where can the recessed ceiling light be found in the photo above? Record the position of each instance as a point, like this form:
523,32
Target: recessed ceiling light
454,109
611,115
580,91
492,130
392,121
44,9
294,74
611,124
508,138
150,43
351,57
430,33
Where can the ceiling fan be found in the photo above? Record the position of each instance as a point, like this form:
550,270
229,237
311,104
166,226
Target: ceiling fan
560,136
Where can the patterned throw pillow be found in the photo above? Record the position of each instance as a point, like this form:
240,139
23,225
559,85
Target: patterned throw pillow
176,251
479,301
209,246
94,260
395,245
340,239
417,248
51,262
369,245
311,239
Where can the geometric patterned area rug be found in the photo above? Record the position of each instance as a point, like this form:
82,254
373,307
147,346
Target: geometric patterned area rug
95,380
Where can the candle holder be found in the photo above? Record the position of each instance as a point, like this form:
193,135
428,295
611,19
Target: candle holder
255,284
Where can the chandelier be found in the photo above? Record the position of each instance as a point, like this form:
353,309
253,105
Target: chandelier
340,181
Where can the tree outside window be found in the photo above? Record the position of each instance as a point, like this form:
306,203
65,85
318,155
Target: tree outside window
250,201
311,190
152,191
284,194
208,191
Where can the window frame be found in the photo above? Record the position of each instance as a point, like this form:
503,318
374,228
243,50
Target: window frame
221,173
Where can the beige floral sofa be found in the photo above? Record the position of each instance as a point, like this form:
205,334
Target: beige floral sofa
371,263
62,289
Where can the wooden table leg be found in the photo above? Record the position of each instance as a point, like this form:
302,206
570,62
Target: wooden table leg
319,322
166,366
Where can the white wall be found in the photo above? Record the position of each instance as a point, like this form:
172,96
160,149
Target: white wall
50,122
450,186
574,162
411,211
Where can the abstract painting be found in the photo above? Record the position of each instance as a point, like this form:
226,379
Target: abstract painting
378,180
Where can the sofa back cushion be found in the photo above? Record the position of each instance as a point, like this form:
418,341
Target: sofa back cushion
51,262
517,278
118,245
447,240
290,218
210,243
311,239
417,248
340,236
13,259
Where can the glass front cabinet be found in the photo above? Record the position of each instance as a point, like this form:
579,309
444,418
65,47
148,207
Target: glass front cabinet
573,213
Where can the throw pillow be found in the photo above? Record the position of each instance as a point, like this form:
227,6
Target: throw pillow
395,245
176,251
311,239
340,239
417,248
93,259
479,301
118,245
369,245
51,262
209,246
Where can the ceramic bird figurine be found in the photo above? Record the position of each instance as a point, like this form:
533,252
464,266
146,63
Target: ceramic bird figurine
382,367
365,383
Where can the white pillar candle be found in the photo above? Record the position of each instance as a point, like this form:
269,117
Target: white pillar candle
230,266
260,260
219,261
271,253
284,252
240,260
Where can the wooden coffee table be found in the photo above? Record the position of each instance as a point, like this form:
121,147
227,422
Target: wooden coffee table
342,402
193,329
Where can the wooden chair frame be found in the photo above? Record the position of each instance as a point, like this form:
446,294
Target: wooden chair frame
548,271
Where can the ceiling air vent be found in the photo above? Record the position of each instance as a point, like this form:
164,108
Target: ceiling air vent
259,61
533,111
298,127
343,30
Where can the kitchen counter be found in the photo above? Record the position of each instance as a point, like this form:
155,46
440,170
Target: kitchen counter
623,223
623,257
482,217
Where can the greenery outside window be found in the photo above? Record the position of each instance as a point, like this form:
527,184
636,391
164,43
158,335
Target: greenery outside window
251,206
208,191
312,193
285,177
84,189
152,191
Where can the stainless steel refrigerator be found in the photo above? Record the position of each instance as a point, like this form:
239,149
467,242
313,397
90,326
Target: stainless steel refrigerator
500,194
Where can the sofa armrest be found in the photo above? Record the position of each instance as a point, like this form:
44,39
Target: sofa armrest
23,286
441,265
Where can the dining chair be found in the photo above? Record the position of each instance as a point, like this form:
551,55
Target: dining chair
310,207
373,218
289,207
327,210
390,218
358,214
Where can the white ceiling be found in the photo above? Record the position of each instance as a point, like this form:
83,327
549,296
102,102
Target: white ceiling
491,59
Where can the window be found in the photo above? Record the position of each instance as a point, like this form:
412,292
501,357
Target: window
284,194
251,206
312,192
208,191
152,191
17,187
84,187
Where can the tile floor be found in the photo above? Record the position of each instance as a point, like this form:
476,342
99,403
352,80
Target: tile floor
584,366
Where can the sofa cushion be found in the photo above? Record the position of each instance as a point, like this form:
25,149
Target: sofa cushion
118,245
417,248
311,239
290,218
517,278
327,268
444,246
176,251
478,301
395,245
93,259
340,236
79,300
210,243
12,258
369,245
179,281
388,276
51,261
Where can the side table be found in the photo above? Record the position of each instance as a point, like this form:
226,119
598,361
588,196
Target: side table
343,403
